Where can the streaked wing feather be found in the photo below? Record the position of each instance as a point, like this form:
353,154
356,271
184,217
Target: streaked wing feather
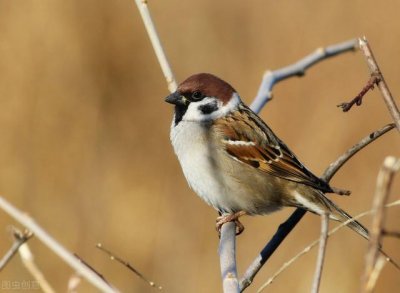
252,142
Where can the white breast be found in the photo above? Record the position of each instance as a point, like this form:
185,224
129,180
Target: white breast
196,156
218,183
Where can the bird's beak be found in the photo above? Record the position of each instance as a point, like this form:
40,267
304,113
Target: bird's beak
177,99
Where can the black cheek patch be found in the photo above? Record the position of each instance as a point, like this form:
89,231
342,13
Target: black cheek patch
209,108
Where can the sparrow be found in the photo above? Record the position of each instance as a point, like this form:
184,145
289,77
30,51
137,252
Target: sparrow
235,162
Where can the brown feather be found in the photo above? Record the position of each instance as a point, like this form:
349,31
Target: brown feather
252,142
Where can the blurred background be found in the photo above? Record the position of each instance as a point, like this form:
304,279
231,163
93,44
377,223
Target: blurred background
84,144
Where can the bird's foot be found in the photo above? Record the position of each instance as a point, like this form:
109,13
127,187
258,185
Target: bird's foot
231,218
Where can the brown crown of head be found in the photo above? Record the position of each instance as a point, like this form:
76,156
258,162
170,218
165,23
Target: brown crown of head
209,85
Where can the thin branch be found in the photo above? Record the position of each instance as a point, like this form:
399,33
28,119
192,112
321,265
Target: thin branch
315,243
29,263
334,167
91,268
56,247
373,80
394,234
373,278
299,68
156,43
285,228
321,252
227,255
374,69
19,239
384,182
128,265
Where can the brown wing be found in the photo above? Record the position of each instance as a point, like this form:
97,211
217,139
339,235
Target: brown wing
252,142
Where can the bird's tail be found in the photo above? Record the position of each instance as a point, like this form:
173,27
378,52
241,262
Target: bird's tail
336,213
341,216
319,202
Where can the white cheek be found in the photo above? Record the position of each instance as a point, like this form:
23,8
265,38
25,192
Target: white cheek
194,114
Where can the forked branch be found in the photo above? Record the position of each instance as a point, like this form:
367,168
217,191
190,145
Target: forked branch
384,89
374,80
19,239
378,79
299,68
56,247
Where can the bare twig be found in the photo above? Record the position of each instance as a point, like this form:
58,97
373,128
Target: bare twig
315,243
384,182
334,167
28,261
128,265
321,252
56,247
374,69
373,277
373,80
19,239
90,268
299,68
395,234
155,41
227,255
285,228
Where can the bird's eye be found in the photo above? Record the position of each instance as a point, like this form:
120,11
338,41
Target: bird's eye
197,95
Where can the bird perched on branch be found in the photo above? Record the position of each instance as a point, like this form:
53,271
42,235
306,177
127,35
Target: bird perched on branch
234,161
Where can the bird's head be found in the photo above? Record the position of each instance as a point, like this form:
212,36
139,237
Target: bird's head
203,97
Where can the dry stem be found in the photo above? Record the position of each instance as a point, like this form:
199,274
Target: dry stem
374,69
19,239
374,80
91,268
321,252
314,243
127,265
334,167
56,247
384,181
28,261
155,41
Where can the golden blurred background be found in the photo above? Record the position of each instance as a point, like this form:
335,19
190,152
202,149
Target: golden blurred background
85,132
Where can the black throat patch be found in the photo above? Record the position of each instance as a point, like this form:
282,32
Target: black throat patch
179,113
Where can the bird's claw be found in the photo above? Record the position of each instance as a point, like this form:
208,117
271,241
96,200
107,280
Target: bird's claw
221,220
